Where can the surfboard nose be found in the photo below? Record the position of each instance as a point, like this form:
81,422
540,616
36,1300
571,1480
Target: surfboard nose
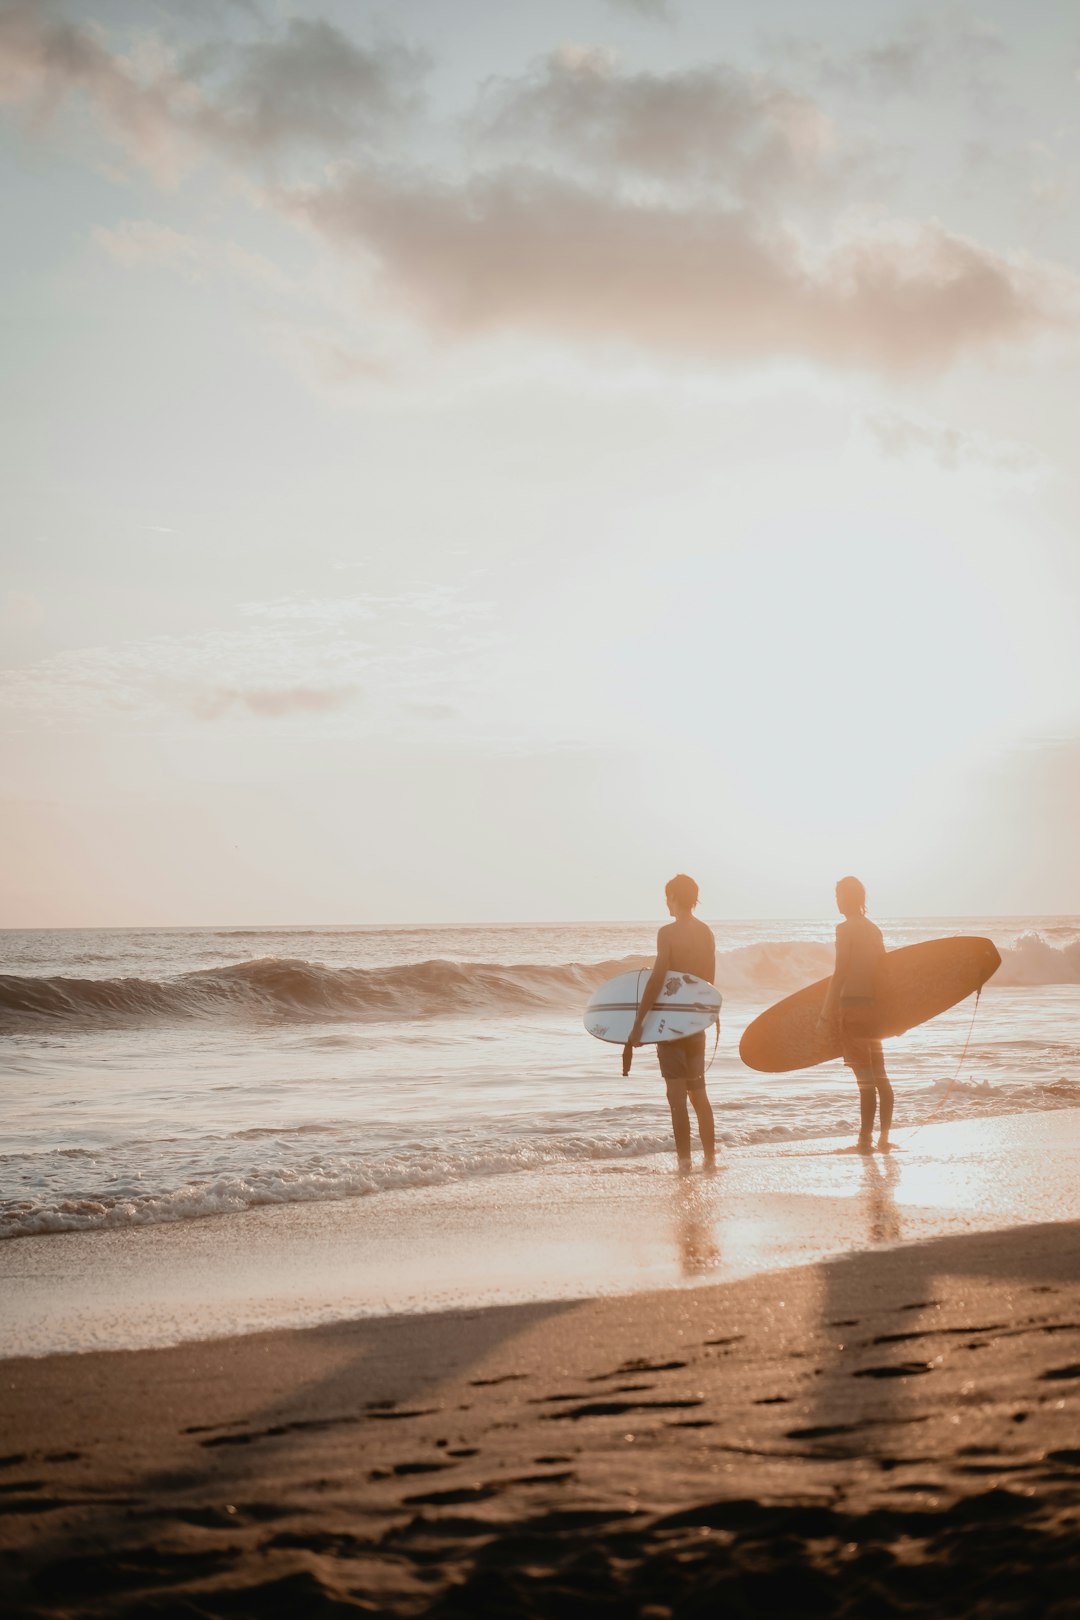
991,960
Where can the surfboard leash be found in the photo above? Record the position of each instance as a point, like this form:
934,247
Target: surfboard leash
715,1045
949,1088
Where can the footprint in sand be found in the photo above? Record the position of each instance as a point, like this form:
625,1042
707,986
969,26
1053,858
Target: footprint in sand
637,1367
419,1467
464,1493
900,1369
620,1408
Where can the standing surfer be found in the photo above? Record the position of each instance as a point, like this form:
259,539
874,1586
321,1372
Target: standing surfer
686,945
850,1010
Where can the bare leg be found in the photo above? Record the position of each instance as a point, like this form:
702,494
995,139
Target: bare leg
867,1109
885,1094
680,1120
705,1123
859,1056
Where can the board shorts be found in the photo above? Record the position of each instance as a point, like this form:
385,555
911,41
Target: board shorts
683,1060
859,1046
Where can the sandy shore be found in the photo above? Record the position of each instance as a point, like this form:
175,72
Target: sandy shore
884,1432
891,1429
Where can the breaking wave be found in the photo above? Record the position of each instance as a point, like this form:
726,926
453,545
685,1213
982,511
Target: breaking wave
286,989
327,1178
1033,960
318,1181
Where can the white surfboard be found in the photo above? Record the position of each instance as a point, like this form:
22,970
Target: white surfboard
685,1006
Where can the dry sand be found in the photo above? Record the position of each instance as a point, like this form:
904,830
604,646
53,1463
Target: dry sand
888,1432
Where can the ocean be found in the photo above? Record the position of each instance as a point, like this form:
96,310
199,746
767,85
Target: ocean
164,1075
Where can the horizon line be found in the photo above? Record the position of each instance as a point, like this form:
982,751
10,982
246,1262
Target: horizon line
587,922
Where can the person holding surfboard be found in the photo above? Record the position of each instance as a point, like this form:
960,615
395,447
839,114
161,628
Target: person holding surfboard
850,1008
686,945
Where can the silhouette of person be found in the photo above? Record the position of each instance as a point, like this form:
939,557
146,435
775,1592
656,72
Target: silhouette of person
850,1011
686,945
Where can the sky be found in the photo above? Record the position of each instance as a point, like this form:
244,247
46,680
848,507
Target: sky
469,461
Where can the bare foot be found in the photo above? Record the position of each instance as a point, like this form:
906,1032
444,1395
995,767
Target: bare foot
884,1145
857,1147
685,1166
709,1167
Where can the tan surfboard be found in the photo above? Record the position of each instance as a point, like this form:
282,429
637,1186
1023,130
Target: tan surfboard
917,983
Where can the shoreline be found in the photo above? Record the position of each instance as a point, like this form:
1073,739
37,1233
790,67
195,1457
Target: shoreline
898,1423
562,1233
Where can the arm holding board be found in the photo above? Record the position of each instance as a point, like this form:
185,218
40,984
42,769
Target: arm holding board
653,986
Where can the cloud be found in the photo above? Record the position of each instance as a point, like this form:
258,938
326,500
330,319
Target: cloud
270,702
963,50
137,242
668,232
715,123
328,356
312,86
305,657
653,10
45,60
899,437
534,252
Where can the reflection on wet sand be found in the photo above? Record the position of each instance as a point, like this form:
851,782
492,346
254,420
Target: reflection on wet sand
697,1206
700,1213
881,1180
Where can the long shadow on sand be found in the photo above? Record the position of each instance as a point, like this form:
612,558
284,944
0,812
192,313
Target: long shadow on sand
350,1451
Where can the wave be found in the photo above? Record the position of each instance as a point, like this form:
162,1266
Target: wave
129,1197
289,989
328,1180
790,964
284,988
320,1181
1033,960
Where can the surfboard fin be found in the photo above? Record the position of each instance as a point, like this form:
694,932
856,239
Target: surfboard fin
627,1059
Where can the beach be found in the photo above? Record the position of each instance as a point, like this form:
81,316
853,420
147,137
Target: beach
851,1387
345,1273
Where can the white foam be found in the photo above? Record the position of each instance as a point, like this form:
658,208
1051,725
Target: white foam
1033,960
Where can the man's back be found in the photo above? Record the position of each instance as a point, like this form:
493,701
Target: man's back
691,948
860,949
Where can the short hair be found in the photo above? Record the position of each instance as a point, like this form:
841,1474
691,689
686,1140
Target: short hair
682,891
851,897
